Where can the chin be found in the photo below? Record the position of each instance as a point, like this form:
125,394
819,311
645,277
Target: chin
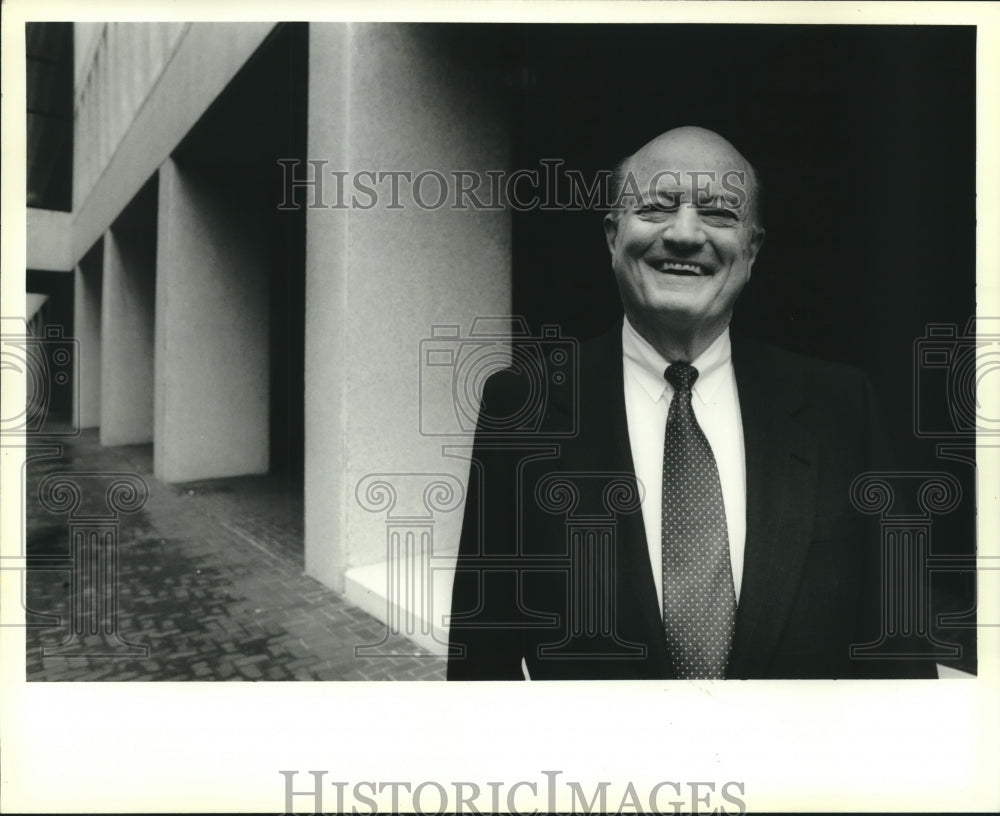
673,311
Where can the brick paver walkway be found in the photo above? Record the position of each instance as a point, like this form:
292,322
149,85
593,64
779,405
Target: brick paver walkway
210,580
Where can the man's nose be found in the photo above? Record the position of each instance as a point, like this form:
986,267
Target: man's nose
684,229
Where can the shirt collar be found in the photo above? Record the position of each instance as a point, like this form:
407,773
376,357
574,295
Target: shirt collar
646,365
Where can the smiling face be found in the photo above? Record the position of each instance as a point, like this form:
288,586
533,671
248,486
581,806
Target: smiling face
684,242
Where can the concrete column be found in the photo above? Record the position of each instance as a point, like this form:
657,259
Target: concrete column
384,98
87,330
211,362
127,319
49,240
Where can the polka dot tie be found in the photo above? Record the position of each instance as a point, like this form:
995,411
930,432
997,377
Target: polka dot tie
699,600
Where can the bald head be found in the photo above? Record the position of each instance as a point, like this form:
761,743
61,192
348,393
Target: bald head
691,160
701,146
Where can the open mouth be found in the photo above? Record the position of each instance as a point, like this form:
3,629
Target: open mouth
687,269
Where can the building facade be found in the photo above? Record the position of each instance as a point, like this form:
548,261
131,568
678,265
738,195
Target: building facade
229,312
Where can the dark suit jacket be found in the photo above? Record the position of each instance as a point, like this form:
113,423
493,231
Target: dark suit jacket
553,564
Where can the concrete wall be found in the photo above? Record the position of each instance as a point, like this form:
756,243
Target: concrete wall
85,39
211,351
133,110
116,68
389,97
127,322
139,89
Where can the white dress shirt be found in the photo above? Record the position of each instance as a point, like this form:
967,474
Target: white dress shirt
717,409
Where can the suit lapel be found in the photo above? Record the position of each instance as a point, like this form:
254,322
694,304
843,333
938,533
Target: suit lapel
603,445
781,494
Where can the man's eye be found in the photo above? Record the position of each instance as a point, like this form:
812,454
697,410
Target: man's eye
655,210
718,218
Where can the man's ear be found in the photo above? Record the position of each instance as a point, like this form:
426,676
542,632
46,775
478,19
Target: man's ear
756,242
611,230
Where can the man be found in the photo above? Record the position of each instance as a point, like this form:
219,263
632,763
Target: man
697,522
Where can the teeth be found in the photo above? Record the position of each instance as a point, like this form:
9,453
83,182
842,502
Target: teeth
683,267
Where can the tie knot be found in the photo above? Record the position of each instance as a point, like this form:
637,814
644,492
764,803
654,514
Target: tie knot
681,376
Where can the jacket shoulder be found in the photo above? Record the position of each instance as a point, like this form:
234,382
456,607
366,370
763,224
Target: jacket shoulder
791,366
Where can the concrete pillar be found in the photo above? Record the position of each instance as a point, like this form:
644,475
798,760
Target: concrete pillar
49,244
384,98
127,319
87,330
211,360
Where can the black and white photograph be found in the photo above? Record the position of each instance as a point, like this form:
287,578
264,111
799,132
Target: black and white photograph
655,345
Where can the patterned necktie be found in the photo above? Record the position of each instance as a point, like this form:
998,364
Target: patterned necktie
699,600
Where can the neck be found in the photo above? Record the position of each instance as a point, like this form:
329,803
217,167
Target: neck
678,343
